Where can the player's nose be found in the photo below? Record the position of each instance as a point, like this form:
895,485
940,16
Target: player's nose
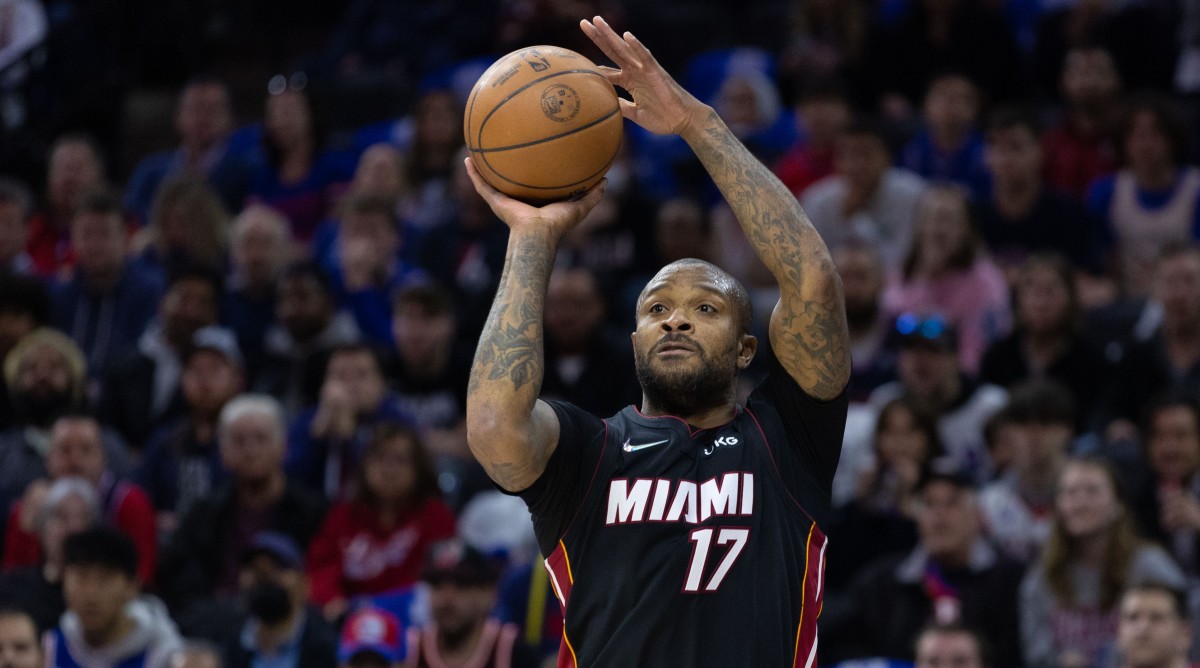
678,322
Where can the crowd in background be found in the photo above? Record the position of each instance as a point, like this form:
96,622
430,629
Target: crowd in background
234,371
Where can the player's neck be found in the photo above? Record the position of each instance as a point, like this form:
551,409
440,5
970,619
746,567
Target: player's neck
704,419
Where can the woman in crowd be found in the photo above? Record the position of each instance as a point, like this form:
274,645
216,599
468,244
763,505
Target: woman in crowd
1047,340
1069,597
947,271
1155,197
377,542
880,518
297,177
188,226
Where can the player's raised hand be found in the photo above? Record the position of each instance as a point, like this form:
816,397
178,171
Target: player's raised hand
659,103
558,217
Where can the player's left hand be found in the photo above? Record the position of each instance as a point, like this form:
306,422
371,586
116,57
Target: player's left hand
659,103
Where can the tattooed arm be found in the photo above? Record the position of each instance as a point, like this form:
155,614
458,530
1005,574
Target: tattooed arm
808,327
509,430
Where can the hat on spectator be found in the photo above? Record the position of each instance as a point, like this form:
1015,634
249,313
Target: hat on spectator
372,630
278,546
932,332
455,561
945,469
219,340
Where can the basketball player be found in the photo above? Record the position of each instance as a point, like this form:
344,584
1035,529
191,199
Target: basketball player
687,533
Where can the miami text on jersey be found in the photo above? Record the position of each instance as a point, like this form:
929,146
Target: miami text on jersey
666,500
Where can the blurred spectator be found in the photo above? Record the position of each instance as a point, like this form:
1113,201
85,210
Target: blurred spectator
466,252
935,35
367,265
16,205
107,622
280,628
867,199
1139,35
749,103
1167,503
827,40
24,306
381,173
141,388
70,506
202,559
197,654
1047,340
463,590
881,518
204,122
434,160
928,371
20,638
326,442
182,462
1153,629
948,272
1069,598
524,22
74,168
682,229
822,112
946,645
1155,197
430,380
106,305
77,450
949,147
298,176
871,345
1016,509
308,325
953,576
378,541
1021,215
371,638
24,24
1169,357
587,363
188,225
45,377
260,244
1079,148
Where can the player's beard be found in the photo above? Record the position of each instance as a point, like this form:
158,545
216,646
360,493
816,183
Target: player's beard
705,383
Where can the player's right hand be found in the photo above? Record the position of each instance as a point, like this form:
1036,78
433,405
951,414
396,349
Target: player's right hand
558,218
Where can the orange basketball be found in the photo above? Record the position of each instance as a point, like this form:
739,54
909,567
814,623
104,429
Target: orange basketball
543,124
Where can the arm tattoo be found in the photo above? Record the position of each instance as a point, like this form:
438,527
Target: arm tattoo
809,333
506,376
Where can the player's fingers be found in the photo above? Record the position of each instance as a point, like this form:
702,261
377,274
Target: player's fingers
635,45
611,43
485,190
611,73
628,109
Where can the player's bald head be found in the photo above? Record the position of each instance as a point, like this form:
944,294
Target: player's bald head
727,284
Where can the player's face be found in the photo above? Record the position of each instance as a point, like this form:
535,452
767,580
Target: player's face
1149,632
1174,443
19,646
686,347
948,650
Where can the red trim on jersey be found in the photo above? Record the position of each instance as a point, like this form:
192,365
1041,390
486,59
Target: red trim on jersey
811,597
558,564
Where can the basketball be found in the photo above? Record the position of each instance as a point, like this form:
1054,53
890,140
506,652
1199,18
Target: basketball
542,124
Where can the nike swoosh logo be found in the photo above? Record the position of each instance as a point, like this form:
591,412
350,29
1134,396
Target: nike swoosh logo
631,448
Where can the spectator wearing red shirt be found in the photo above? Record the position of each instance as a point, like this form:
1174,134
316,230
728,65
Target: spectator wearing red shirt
77,450
1078,149
377,542
75,167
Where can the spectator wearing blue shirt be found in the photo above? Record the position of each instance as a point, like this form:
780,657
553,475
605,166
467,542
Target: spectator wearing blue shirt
260,242
950,147
109,301
204,121
326,443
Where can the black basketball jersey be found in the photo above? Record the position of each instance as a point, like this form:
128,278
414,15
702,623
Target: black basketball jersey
672,546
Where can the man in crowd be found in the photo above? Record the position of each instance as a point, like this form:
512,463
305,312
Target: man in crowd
20,640
75,167
107,621
1153,630
950,646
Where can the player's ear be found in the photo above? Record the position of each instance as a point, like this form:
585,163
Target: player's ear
746,349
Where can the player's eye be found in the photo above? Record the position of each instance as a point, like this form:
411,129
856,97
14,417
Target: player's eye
658,308
707,308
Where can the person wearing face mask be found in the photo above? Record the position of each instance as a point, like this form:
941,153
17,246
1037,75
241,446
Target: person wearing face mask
280,629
